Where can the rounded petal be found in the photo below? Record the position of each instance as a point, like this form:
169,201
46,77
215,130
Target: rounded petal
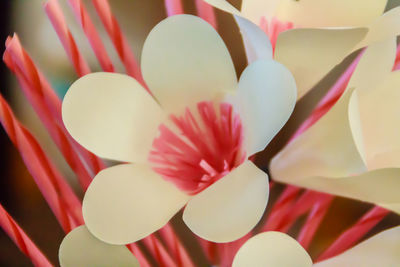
375,64
265,99
310,54
332,147
184,61
272,249
380,117
382,249
328,13
128,202
112,115
384,27
80,249
231,207
256,42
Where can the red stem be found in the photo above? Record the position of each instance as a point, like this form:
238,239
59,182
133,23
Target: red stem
22,240
55,14
58,194
118,39
83,18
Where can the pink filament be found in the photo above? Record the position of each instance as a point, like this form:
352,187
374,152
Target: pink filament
203,151
273,28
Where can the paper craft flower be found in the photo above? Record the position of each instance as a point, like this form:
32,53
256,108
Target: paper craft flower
276,249
354,150
332,30
187,142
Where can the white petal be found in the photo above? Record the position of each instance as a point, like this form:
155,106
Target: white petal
265,100
379,104
224,5
272,249
380,115
231,207
128,202
384,27
255,9
375,64
256,42
382,249
311,53
328,13
81,249
112,115
332,147
184,61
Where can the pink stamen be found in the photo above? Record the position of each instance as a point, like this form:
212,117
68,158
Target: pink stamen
203,151
273,28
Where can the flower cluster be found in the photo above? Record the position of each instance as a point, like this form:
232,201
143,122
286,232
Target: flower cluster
183,133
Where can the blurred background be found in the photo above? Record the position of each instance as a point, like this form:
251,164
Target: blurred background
19,194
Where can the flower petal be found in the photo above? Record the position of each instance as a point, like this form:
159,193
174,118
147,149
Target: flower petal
105,113
332,147
379,90
80,249
127,202
375,64
273,249
265,99
328,13
184,61
231,207
256,42
384,27
382,249
311,53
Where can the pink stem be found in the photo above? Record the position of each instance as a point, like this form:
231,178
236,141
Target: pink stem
134,248
159,252
206,12
58,194
352,235
48,106
23,242
173,7
314,219
55,14
82,17
281,208
118,39
175,247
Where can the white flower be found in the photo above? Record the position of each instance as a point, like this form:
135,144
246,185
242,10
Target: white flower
198,117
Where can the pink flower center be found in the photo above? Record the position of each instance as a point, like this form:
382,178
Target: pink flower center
200,147
273,28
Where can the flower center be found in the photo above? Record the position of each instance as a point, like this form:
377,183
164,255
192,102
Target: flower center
202,146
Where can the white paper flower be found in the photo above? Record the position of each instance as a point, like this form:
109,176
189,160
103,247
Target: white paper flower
330,31
354,150
187,144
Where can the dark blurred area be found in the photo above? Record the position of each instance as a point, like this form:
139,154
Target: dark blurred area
18,192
